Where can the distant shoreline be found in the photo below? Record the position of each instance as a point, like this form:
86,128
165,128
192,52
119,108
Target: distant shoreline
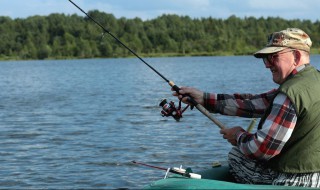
59,36
313,52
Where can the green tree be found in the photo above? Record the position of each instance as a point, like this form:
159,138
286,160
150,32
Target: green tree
73,36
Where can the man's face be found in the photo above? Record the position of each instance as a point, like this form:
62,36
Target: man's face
281,64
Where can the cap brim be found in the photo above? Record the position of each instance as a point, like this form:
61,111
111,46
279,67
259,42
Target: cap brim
267,50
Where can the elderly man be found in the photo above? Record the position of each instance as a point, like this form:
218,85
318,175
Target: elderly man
285,150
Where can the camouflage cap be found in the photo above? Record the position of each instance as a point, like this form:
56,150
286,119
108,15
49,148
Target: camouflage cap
290,38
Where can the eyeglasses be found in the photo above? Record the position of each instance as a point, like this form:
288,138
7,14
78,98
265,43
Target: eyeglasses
269,59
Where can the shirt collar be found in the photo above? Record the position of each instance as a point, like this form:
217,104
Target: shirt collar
298,69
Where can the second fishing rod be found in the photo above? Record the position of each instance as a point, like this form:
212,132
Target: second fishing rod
174,86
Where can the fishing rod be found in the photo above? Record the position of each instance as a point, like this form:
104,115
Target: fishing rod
150,166
171,83
180,171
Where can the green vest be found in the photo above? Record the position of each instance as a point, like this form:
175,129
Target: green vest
301,153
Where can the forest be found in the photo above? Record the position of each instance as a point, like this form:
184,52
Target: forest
60,36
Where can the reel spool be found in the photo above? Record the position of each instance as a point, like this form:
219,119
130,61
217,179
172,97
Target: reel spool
169,109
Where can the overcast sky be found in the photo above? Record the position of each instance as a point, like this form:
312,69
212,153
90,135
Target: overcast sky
149,9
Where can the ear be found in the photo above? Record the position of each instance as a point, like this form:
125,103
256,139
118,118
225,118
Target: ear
297,57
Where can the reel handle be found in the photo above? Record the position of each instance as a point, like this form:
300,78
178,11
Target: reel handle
202,109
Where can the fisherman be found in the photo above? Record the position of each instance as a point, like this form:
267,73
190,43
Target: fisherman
285,149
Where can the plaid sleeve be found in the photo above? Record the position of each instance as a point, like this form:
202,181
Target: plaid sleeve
243,105
277,129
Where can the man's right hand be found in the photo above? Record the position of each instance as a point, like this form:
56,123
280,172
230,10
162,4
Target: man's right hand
184,92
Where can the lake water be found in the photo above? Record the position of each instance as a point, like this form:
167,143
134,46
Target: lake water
79,123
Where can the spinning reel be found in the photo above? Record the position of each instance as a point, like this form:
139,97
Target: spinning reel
169,109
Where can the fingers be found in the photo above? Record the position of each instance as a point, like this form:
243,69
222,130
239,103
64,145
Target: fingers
230,134
228,137
181,94
181,91
224,133
186,92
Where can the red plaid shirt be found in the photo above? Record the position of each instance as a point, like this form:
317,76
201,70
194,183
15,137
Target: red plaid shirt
277,129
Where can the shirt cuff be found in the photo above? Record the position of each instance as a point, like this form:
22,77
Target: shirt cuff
210,101
238,136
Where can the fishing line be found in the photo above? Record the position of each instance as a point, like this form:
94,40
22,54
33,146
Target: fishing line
119,41
174,87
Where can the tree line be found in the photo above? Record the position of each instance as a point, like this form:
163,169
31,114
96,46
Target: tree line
60,36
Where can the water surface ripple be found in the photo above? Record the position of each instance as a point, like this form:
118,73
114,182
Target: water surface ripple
79,123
